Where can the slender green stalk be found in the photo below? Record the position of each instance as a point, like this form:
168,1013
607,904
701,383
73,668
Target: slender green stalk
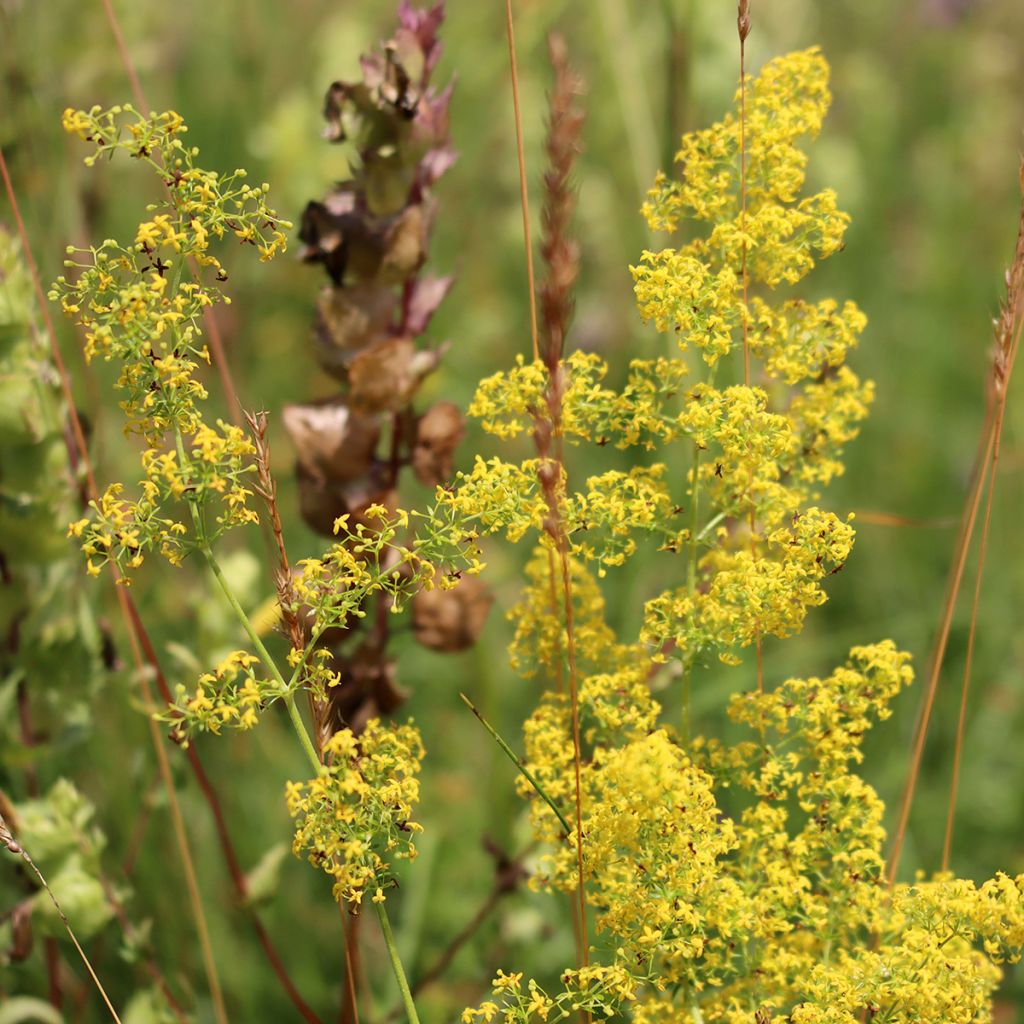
286,695
691,581
396,964
696,535
687,677
286,690
514,758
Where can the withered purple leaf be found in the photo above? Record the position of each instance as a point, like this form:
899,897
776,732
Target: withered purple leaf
349,319
422,300
423,25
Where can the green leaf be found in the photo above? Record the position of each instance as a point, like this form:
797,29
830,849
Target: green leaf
21,1009
262,882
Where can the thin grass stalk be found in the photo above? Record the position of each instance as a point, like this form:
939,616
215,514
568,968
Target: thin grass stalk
968,662
180,838
267,490
1008,327
149,963
553,480
523,193
743,30
1008,334
518,762
550,476
570,636
559,250
350,1006
78,456
9,842
970,515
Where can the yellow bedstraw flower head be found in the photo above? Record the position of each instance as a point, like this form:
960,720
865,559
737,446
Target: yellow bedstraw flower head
355,818
741,882
141,304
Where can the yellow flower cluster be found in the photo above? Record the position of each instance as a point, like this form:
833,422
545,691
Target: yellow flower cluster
376,556
741,882
596,991
354,818
748,878
230,695
509,403
138,305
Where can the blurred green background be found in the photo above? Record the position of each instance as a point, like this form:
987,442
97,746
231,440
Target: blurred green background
922,145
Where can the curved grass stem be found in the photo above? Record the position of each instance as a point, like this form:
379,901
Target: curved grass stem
517,761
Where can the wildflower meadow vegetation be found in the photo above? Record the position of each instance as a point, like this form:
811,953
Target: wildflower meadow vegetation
480,534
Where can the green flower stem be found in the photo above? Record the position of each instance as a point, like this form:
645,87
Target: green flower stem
286,694
511,754
396,963
310,646
286,691
691,566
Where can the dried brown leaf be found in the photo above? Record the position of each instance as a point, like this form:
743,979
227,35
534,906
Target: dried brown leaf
451,620
438,433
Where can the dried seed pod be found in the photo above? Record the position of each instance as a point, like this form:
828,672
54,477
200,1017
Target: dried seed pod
368,689
342,235
322,501
451,620
349,319
332,441
385,375
405,244
438,433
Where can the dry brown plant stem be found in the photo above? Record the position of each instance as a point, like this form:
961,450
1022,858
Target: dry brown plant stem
1008,328
78,456
350,1005
969,517
523,195
561,254
8,841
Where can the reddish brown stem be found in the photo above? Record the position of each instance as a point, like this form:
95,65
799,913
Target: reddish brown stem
1008,328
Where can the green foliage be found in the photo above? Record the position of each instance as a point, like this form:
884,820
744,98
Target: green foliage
924,255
